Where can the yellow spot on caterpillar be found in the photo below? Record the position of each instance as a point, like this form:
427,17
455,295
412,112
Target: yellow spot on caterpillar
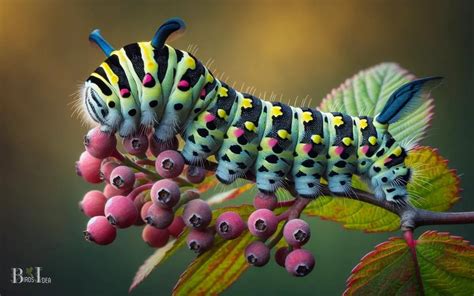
209,78
397,151
363,123
283,134
190,63
307,117
347,141
222,114
114,78
337,121
222,91
276,111
150,64
317,139
372,140
247,103
250,126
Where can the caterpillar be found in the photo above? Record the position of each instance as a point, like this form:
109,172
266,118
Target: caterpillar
151,84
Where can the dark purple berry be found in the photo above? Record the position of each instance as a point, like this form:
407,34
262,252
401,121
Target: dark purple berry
136,145
120,211
257,253
229,225
169,164
100,144
177,226
265,201
296,232
93,203
155,237
165,193
299,262
122,177
159,217
88,167
280,256
157,146
262,223
197,214
195,174
100,231
200,241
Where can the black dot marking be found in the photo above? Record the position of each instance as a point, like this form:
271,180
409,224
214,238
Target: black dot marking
153,103
203,132
332,174
295,154
300,174
262,169
195,153
191,139
271,181
241,165
197,110
265,109
317,176
345,155
211,125
377,169
225,158
340,164
396,197
235,149
390,142
231,172
384,179
132,112
312,153
226,136
111,104
242,140
308,163
280,173
342,183
178,106
380,152
325,119
272,158
390,190
277,149
103,112
259,148
205,148
363,162
310,185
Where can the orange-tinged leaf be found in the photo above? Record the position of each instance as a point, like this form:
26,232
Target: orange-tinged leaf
230,194
446,264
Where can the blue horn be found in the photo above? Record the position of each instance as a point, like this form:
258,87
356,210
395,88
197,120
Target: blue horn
95,37
164,31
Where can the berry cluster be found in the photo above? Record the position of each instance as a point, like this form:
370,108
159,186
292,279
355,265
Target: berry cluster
159,194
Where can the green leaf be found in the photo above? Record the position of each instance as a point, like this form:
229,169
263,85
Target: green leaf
433,187
367,92
446,264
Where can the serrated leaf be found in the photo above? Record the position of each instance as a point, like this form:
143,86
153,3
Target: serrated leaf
433,187
446,264
230,194
367,92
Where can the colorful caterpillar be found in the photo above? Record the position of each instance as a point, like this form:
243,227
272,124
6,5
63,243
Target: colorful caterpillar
152,84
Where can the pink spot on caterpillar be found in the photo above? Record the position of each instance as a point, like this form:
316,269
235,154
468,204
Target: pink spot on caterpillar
387,160
238,132
339,150
272,142
203,93
147,79
183,85
307,148
364,149
209,117
125,93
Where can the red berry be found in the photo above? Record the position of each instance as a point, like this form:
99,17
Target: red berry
159,217
136,145
155,237
122,177
165,193
106,169
262,223
99,144
280,256
169,164
195,174
257,253
157,146
88,168
197,214
299,262
265,201
200,241
229,225
296,232
111,191
139,202
177,226
120,211
144,210
93,203
100,231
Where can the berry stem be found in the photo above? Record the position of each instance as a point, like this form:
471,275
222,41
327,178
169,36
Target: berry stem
137,190
126,161
187,196
145,161
274,241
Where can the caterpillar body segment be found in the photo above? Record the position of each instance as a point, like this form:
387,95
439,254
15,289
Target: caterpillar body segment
151,84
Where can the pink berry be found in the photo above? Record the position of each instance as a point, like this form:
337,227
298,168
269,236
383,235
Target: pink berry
265,201
139,202
144,210
111,191
200,241
120,211
159,217
262,223
155,237
136,145
100,231
165,193
106,169
93,203
157,146
299,262
257,253
229,225
99,144
169,164
177,226
122,177
197,214
88,167
195,174
296,232
280,256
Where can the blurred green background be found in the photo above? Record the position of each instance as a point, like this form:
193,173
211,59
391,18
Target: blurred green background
293,49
